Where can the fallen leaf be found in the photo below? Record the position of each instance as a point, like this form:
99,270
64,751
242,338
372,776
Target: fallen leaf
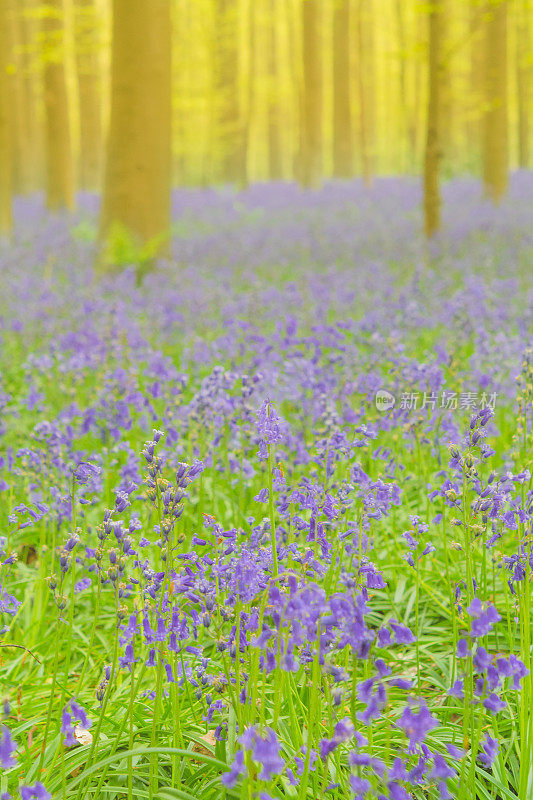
208,738
83,737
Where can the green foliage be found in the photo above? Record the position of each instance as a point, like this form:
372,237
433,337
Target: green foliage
122,249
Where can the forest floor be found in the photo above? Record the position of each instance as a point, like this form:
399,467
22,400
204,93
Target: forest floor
266,517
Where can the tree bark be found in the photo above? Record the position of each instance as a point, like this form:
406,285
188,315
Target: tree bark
367,88
59,173
275,163
523,80
342,121
495,138
21,102
6,216
476,84
138,160
89,93
310,162
432,199
229,117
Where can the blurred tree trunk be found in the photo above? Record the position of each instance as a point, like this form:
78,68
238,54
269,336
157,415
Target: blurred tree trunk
447,99
432,200
6,217
495,139
30,29
59,175
229,117
138,161
310,162
248,108
21,102
342,123
406,111
523,79
275,163
476,85
367,87
87,41
417,126
291,19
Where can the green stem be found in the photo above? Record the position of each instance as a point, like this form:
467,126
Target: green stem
271,514
51,698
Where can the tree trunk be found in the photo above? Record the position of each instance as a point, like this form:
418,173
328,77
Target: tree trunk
34,156
6,217
447,99
138,160
229,117
367,88
495,143
405,108
476,85
59,176
21,102
311,123
275,164
342,123
523,80
432,200
89,93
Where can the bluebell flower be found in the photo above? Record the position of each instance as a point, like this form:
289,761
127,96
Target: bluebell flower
35,792
417,725
484,617
493,703
85,471
489,751
266,751
7,747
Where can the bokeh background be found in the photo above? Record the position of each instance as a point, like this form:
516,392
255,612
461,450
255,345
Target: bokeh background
133,97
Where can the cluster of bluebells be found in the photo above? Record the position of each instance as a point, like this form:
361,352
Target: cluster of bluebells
72,713
170,538
490,671
8,760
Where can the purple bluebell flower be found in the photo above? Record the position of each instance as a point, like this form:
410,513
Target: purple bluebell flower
360,787
85,471
67,728
417,725
35,792
457,690
266,751
482,660
402,634
484,617
7,747
494,704
490,749
462,648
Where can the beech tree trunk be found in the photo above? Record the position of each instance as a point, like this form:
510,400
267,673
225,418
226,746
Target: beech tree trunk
138,161
275,164
6,217
22,107
229,116
524,76
342,122
495,138
310,162
59,173
367,88
89,93
432,199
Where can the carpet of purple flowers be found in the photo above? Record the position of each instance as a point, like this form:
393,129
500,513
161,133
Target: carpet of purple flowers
266,518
